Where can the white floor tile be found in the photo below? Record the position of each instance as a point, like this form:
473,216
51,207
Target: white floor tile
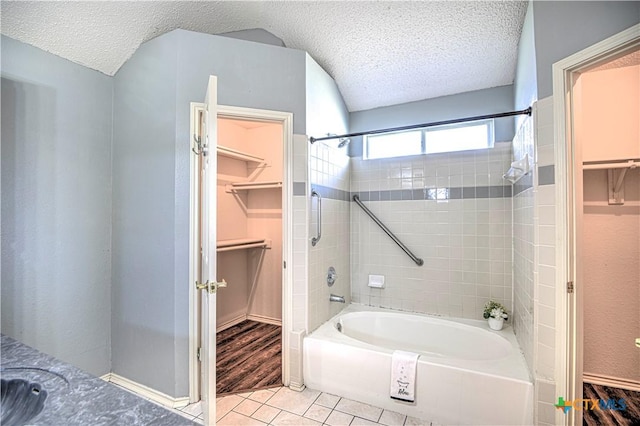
247,407
193,409
290,419
359,409
412,421
391,418
318,413
261,396
266,414
199,421
226,404
245,394
336,418
292,401
237,419
327,400
357,421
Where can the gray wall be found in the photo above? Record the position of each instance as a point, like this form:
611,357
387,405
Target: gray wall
563,28
256,34
250,74
325,108
153,91
144,313
479,102
526,84
56,206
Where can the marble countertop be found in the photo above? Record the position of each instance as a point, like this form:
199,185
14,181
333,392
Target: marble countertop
78,398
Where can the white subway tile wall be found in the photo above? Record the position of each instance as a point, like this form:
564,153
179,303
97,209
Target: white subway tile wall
523,244
329,175
300,236
465,241
545,270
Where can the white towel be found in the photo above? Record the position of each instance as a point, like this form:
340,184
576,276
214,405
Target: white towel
403,375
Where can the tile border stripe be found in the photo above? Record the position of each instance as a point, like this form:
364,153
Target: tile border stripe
452,193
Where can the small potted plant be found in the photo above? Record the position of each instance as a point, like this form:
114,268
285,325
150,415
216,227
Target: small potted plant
496,314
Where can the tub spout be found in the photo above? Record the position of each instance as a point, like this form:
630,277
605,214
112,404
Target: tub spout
335,298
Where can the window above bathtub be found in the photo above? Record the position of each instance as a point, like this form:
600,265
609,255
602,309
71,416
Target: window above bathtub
431,140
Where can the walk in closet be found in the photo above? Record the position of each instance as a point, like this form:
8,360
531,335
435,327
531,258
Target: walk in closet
607,134
249,254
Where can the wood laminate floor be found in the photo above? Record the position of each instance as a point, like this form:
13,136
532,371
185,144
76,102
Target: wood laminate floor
249,357
628,417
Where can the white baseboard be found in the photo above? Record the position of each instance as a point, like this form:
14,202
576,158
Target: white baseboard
266,320
615,382
240,318
230,323
146,392
297,387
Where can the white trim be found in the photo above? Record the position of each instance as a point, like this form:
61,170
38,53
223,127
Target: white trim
265,320
145,391
231,323
241,318
616,382
563,72
286,120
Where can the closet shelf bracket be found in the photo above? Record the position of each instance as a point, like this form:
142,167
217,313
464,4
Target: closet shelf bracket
616,172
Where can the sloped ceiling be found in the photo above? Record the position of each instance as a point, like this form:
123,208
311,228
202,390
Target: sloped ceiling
379,53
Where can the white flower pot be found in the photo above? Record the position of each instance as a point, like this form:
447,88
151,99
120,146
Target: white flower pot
496,323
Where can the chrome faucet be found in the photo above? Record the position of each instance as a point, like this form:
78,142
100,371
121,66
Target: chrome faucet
335,298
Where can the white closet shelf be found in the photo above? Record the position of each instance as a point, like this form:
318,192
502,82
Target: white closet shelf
245,186
238,155
625,164
243,243
616,171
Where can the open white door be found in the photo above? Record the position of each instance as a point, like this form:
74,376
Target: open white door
209,286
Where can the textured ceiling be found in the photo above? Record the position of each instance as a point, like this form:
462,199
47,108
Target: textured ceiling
379,53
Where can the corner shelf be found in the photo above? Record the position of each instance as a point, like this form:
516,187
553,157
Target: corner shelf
241,244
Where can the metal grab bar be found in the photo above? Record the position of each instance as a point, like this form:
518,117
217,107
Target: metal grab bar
395,239
315,240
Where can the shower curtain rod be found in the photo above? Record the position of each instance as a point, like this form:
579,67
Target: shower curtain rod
419,126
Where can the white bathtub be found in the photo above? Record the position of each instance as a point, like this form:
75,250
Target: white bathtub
467,373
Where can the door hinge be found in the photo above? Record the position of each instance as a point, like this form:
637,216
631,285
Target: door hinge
570,287
285,264
199,354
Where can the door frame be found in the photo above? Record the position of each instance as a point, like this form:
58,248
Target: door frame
286,120
569,333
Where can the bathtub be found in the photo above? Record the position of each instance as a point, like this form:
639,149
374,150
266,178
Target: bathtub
467,373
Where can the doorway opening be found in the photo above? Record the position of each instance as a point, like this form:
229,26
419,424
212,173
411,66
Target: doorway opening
253,222
249,254
597,110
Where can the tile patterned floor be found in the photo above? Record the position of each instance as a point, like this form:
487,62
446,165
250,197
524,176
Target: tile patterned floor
282,406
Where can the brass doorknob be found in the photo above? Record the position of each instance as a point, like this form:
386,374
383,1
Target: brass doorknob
212,287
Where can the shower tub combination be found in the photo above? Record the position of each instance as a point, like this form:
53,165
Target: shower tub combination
467,373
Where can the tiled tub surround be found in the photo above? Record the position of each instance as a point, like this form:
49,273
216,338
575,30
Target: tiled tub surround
452,210
78,398
329,176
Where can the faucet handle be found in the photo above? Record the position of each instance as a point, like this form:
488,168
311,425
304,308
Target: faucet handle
332,276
